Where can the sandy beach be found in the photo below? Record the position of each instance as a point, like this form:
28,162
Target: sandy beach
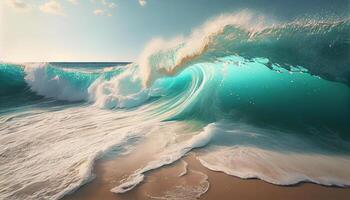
188,179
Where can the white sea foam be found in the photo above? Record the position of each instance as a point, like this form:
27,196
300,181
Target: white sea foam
273,156
45,155
166,157
279,168
184,170
122,91
52,87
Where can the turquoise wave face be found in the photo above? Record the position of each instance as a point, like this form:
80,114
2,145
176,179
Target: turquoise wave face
11,79
239,89
14,91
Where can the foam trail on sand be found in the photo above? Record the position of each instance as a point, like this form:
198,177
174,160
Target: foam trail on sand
186,191
273,156
170,155
184,171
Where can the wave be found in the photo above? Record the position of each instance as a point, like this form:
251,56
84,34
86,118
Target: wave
57,83
196,75
11,79
234,70
14,91
320,46
49,81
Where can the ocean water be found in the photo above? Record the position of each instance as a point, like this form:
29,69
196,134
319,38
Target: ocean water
257,100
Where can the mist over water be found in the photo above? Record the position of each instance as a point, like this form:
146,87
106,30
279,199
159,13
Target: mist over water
258,100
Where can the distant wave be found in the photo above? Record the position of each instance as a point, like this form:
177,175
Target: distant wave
49,81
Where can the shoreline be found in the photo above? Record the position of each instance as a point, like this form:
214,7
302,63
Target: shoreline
188,179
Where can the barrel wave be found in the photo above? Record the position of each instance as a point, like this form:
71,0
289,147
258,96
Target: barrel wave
269,99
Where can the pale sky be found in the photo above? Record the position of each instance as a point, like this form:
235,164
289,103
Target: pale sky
117,30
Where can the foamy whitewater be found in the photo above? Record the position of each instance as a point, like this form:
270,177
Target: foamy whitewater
252,97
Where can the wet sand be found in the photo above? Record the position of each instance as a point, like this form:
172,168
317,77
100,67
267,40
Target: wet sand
167,183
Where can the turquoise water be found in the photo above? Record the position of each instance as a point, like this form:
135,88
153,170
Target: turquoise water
273,100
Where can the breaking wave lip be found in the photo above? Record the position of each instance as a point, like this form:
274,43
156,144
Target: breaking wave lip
245,33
